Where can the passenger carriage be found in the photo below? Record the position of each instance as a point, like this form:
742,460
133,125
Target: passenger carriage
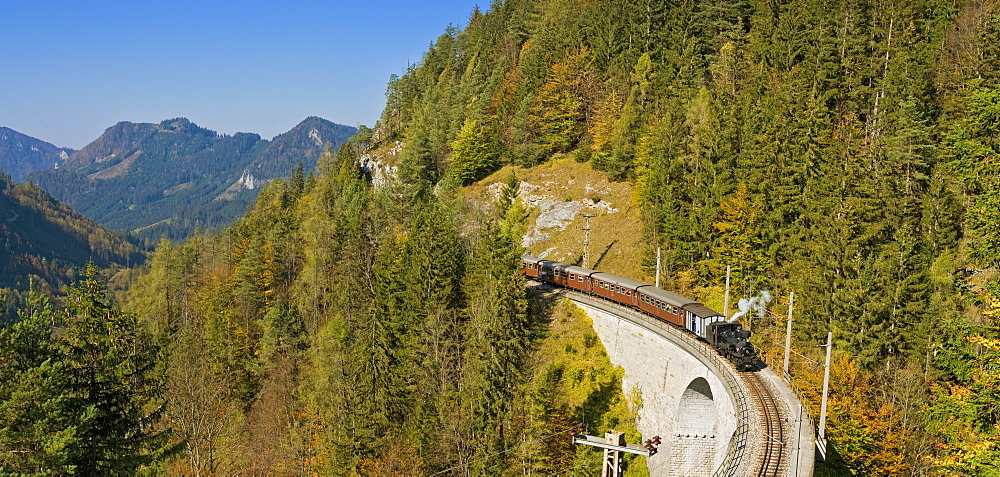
615,288
666,306
578,278
532,266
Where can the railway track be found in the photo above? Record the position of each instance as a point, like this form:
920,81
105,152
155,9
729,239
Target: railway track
772,426
758,445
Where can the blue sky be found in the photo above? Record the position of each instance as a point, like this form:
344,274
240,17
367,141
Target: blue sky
71,69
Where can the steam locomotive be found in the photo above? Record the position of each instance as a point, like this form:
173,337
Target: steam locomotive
728,338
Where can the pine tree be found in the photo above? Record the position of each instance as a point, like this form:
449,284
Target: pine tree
471,155
497,336
36,415
112,383
85,401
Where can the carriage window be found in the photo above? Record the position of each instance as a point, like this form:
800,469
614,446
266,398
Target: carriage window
579,278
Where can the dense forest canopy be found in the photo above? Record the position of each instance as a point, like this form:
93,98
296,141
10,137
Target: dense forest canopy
845,151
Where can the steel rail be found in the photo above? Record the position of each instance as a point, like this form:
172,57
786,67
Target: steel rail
770,412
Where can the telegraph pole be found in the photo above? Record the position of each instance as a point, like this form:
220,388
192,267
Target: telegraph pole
788,331
821,442
657,267
614,447
725,311
586,242
612,462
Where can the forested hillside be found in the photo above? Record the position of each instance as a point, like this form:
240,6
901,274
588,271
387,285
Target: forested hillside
44,241
341,329
846,152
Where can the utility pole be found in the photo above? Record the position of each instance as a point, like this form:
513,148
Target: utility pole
798,438
614,446
586,242
612,463
821,442
657,267
788,331
725,311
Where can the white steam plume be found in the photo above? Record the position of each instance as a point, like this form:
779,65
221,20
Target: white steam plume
757,303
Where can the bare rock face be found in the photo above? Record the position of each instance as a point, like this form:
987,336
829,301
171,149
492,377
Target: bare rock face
555,214
377,166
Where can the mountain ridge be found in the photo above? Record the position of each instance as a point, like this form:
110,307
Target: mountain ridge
170,178
21,154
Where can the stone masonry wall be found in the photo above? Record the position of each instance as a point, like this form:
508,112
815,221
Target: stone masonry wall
695,430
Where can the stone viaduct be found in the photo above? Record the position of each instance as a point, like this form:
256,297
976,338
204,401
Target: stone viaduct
693,399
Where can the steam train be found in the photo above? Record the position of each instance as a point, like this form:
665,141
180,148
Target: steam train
728,338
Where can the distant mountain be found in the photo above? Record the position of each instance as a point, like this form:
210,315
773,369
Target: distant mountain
21,154
170,178
43,238
303,143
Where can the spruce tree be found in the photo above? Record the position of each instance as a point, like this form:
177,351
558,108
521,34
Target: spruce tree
112,383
